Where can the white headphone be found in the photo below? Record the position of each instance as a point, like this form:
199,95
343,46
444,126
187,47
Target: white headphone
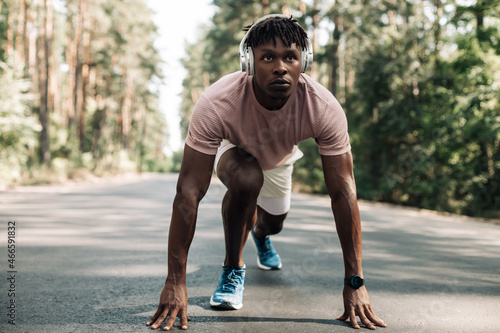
246,53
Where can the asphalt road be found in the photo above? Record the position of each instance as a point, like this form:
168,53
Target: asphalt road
91,257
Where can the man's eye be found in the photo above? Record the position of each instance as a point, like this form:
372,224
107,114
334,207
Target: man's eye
268,58
291,58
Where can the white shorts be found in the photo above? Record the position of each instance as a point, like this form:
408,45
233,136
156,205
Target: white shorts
275,194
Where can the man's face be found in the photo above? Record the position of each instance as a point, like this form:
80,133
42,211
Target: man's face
277,72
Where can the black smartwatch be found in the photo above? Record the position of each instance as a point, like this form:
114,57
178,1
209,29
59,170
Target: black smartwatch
354,281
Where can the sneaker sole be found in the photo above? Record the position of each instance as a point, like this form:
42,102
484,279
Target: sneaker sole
267,268
225,305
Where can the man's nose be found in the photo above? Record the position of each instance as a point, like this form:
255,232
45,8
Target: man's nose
280,67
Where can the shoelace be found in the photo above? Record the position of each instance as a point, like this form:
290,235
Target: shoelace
232,281
266,249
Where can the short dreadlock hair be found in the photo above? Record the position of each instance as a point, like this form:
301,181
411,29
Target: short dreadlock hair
286,28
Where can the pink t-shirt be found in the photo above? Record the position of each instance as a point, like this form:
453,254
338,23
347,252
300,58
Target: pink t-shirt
229,110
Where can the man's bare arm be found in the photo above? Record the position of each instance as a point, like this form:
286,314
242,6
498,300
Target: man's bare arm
193,182
339,179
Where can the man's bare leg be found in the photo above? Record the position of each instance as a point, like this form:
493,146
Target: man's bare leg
268,224
242,175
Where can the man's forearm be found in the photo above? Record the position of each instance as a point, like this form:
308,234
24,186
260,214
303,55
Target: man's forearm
193,183
181,233
339,180
347,220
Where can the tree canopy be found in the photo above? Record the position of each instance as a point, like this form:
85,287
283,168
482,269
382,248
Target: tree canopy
419,81
88,71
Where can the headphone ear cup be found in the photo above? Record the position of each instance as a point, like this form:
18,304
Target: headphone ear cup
306,57
243,61
303,60
250,61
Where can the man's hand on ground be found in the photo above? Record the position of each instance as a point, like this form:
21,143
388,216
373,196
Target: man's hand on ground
173,304
357,303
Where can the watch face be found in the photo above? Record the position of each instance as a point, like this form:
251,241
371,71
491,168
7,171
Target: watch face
356,281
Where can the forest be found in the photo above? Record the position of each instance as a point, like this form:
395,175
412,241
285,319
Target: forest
78,90
419,81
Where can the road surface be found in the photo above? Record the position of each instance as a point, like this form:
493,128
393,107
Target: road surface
91,257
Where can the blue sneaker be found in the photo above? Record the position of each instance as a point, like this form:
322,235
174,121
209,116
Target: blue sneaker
267,257
229,292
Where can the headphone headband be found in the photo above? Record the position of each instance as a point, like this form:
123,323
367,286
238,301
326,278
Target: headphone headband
246,53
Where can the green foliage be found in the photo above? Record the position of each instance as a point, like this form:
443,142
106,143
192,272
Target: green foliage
3,29
176,161
153,133
308,172
18,127
428,135
420,84
103,82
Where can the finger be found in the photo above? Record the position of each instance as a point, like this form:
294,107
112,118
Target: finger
160,319
171,320
184,320
365,319
374,319
352,318
152,319
344,317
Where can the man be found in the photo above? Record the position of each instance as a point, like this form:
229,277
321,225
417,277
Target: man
249,123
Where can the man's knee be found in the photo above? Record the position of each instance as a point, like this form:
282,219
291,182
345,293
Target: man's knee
275,227
272,223
240,173
247,182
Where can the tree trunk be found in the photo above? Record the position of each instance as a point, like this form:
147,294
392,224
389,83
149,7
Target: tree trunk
315,25
26,44
127,109
52,89
10,29
69,111
348,71
32,56
437,27
265,7
19,44
44,54
332,83
78,90
143,117
85,72
99,118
